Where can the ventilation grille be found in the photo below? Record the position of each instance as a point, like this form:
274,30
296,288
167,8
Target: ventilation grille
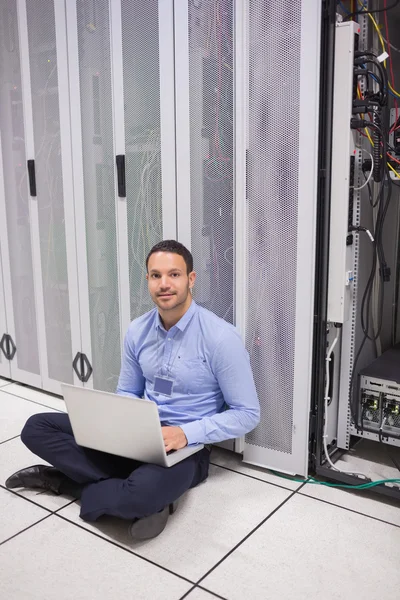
99,184
141,68
49,181
211,152
274,39
16,191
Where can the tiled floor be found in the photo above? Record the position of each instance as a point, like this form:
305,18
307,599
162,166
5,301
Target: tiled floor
244,534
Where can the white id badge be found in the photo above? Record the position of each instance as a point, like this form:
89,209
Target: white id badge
163,385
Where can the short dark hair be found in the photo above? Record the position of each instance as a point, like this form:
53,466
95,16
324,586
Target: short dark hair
176,248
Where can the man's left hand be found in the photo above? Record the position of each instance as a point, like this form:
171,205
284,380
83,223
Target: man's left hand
174,438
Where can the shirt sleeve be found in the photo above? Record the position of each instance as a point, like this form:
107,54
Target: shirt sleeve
131,379
231,366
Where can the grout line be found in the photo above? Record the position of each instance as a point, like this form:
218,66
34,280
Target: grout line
212,593
65,506
36,389
256,478
242,541
357,512
26,529
53,512
199,587
123,548
9,439
34,401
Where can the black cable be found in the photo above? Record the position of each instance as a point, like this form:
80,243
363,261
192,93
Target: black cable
350,16
394,461
372,57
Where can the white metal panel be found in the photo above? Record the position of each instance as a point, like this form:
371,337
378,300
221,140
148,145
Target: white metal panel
15,219
33,209
182,107
74,92
241,68
4,362
343,149
68,189
96,204
119,146
281,440
167,117
48,106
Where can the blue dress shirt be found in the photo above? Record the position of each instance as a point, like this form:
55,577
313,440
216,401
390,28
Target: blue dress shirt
213,397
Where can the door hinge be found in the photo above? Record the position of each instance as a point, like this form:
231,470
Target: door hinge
7,346
82,367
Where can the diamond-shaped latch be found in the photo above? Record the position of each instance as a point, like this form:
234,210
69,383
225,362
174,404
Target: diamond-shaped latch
7,346
86,368
82,367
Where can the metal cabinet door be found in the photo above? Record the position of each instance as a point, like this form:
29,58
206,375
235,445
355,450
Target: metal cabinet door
119,55
42,35
19,289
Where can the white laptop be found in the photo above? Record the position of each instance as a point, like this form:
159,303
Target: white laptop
120,425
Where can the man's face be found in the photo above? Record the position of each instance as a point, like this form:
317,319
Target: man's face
168,280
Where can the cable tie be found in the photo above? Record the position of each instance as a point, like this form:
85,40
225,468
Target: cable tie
383,56
367,231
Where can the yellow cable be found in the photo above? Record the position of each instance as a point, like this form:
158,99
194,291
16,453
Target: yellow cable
377,30
382,44
394,91
394,170
369,136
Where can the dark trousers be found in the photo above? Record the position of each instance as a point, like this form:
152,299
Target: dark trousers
112,485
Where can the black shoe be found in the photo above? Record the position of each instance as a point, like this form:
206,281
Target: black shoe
151,526
37,477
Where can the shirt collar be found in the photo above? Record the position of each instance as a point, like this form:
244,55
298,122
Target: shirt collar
183,322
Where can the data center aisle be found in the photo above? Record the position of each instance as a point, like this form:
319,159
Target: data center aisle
243,534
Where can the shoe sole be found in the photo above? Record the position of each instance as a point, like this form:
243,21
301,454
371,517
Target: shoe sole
149,527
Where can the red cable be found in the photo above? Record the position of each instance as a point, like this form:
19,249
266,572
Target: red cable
390,64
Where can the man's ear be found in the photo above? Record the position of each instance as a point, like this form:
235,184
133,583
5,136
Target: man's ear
192,279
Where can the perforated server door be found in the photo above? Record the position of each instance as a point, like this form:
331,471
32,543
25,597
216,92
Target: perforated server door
4,362
95,184
45,92
114,65
149,136
284,42
205,132
15,208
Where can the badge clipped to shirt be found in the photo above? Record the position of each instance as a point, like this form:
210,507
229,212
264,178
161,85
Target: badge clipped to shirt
163,385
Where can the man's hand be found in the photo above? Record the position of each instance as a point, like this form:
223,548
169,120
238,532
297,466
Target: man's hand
174,438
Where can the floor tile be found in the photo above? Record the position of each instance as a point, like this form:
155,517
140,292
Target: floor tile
373,460
14,413
37,396
14,455
16,514
231,460
312,550
211,519
67,562
364,502
3,382
199,594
